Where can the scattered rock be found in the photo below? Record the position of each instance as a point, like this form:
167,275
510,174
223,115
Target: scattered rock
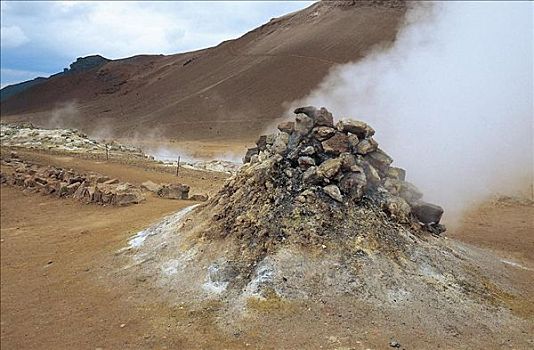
199,197
151,186
394,344
334,192
174,191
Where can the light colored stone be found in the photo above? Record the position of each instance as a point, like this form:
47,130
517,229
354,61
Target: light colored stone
333,192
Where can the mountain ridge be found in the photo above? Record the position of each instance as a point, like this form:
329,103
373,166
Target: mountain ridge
234,89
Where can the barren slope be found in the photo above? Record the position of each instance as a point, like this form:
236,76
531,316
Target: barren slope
215,92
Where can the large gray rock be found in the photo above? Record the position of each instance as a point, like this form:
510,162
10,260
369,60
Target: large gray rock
427,213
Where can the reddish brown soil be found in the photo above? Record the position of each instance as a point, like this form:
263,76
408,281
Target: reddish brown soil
235,89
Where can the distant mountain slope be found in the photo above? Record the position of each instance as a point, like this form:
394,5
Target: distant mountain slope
232,90
82,64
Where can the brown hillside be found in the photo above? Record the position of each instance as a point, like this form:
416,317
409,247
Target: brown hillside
232,90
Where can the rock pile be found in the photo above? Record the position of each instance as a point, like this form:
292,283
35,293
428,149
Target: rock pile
317,160
318,184
91,188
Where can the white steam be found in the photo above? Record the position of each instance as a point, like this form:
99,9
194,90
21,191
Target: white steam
451,100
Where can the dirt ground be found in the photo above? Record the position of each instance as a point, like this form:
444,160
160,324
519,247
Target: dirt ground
57,258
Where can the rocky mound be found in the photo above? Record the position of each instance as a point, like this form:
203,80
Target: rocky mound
318,216
314,182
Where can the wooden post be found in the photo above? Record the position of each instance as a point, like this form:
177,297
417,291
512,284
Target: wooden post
178,166
107,152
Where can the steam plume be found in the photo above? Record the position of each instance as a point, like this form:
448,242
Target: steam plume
452,99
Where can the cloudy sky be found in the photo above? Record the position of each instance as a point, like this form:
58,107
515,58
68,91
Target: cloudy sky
41,38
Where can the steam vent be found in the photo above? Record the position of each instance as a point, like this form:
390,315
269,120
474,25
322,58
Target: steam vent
314,180
317,213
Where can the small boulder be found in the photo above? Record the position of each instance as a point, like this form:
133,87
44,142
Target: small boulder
356,127
174,191
336,144
333,192
396,173
322,133
199,197
151,186
366,146
427,213
329,168
311,176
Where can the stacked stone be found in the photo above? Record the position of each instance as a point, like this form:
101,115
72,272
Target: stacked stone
344,162
60,182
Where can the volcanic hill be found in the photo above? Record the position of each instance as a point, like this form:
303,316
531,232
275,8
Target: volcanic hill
318,215
214,92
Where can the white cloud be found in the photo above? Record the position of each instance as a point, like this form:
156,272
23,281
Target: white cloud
120,29
12,36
